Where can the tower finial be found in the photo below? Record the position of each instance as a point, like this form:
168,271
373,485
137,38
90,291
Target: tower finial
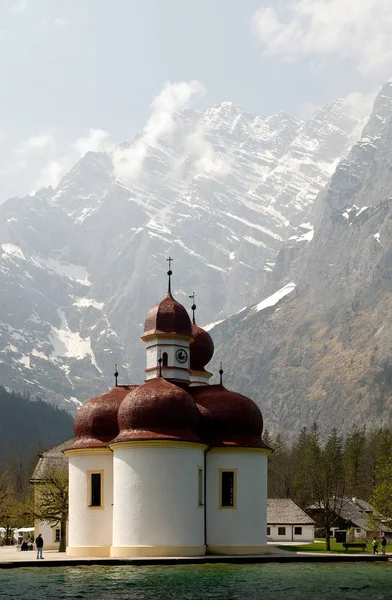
170,273
160,363
193,307
220,374
115,374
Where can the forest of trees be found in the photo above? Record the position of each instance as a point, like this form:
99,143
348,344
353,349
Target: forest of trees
27,424
320,473
27,428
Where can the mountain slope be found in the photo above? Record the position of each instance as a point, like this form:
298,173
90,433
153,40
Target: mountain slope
324,352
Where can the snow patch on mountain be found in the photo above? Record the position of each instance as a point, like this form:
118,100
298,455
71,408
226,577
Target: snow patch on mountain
273,299
12,250
87,303
69,344
76,272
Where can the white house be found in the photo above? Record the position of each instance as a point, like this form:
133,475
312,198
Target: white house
286,521
173,467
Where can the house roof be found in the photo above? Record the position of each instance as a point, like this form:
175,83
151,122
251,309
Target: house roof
357,512
52,459
283,511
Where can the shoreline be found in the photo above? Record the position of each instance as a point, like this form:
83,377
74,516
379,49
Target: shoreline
14,560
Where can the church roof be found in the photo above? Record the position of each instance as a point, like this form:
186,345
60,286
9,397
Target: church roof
53,459
201,349
283,511
96,422
158,410
167,317
228,418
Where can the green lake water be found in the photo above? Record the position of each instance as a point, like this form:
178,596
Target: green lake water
201,582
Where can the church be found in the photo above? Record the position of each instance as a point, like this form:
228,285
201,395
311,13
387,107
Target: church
172,467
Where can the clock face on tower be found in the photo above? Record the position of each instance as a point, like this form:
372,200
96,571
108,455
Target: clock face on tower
181,355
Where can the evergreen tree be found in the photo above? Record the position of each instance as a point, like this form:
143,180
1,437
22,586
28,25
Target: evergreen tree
329,483
357,471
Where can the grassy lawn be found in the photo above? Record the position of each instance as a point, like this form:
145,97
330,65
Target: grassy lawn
316,546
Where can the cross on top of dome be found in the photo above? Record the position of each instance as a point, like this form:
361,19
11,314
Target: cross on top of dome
193,307
170,273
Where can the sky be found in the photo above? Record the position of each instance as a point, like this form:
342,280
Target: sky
79,75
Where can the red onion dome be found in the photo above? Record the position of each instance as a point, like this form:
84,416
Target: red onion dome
201,349
96,421
228,418
158,410
168,316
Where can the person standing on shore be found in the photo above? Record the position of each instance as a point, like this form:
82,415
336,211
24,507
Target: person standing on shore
39,542
384,544
375,545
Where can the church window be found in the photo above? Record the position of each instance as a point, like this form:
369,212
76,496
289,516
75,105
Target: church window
281,530
164,359
95,489
200,486
268,530
57,535
227,488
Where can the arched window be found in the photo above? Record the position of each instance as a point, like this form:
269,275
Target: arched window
164,359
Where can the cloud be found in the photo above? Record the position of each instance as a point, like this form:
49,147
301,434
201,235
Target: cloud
355,30
360,104
19,7
95,141
128,162
35,144
51,174
206,161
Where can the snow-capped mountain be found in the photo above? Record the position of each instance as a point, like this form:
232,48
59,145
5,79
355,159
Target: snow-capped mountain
81,264
322,350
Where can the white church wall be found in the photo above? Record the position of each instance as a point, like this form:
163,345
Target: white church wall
90,528
156,500
199,378
241,529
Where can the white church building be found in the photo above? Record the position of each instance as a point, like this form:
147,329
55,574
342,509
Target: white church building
173,467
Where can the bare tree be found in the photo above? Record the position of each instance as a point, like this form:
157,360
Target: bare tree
52,502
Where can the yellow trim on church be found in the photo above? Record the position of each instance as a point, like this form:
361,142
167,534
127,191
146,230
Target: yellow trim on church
158,444
237,550
166,336
130,551
238,450
86,451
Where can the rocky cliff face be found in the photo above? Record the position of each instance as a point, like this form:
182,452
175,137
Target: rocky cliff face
81,264
323,352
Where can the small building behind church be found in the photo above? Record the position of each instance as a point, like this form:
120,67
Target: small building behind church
52,460
172,467
287,522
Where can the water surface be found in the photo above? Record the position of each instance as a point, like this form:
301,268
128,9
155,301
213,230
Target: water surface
270,581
